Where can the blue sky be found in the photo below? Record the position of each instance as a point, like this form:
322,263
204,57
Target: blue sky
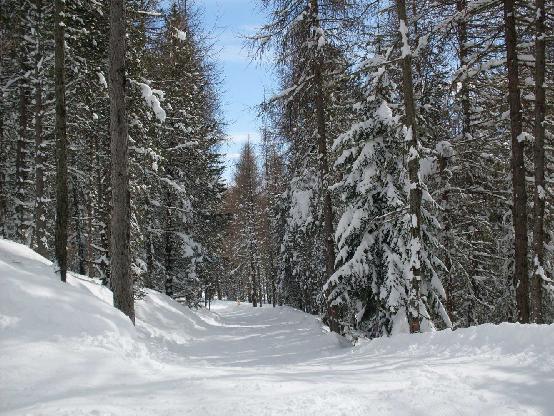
244,82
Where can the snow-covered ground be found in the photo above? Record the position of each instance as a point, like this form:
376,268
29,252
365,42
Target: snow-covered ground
65,351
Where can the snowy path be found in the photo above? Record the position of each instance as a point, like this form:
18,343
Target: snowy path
65,351
243,336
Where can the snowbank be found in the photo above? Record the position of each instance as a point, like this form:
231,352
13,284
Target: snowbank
65,351
36,306
505,339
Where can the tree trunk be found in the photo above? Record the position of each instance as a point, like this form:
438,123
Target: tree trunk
414,316
254,284
61,143
168,253
321,130
461,5
328,233
103,211
540,191
273,293
89,261
149,280
121,281
39,237
3,153
21,166
79,238
260,286
2,172
218,289
519,208
254,281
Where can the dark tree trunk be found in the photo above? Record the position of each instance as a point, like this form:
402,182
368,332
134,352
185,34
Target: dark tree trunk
121,280
328,219
260,286
168,246
540,190
254,285
40,155
149,281
413,169
273,293
21,167
168,271
79,238
218,290
254,290
328,233
519,208
463,53
103,211
21,159
2,173
61,143
3,152
272,271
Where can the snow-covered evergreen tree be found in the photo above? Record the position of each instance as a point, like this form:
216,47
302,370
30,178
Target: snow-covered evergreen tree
371,290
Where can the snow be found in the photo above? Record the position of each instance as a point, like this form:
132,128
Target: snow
301,196
444,149
179,34
524,137
384,113
405,49
102,80
65,352
152,99
541,192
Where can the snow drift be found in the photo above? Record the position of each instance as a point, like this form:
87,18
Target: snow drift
64,350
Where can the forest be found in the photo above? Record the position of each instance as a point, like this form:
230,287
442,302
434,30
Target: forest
384,246
403,182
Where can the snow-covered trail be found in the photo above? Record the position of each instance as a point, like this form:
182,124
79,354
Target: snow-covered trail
233,335
65,351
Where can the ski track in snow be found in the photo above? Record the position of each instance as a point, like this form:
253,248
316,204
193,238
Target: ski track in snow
65,351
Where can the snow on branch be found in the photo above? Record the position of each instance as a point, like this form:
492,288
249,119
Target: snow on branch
403,29
179,34
152,99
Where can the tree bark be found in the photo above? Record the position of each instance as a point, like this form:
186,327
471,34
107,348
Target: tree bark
149,280
121,281
2,173
254,284
79,238
539,191
20,168
61,143
328,225
103,190
318,62
40,156
519,208
3,149
260,286
168,249
414,317
461,5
